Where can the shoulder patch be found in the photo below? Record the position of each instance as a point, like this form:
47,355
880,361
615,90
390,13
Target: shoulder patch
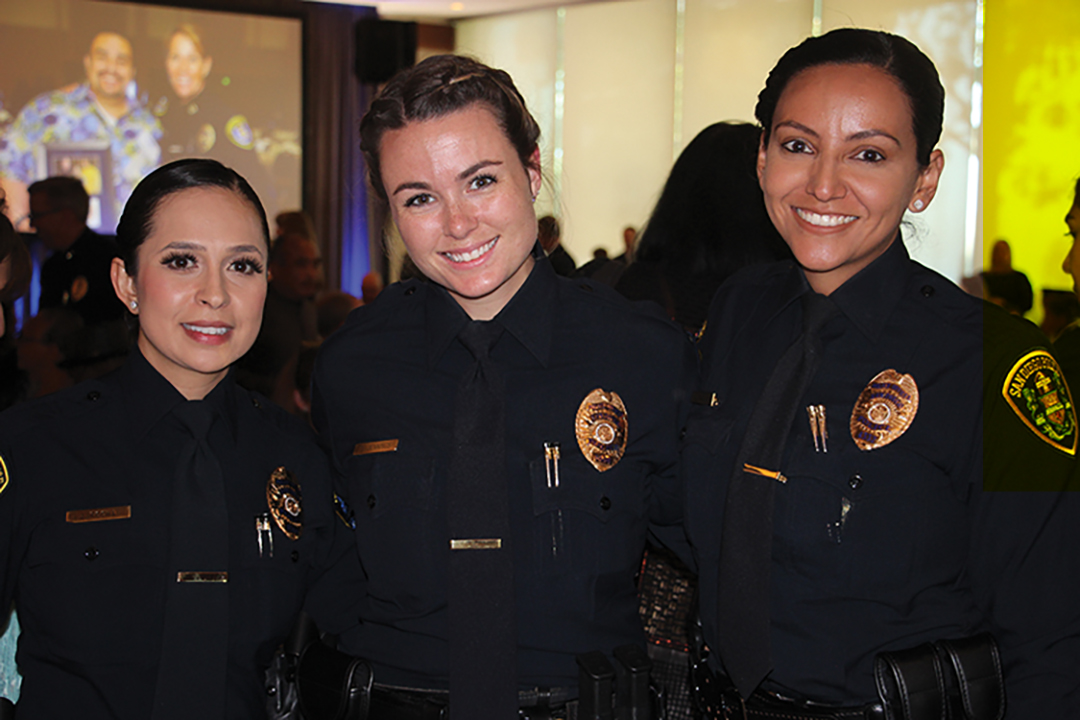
1036,391
239,132
3,474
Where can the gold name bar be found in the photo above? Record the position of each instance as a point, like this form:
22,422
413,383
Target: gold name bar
379,446
476,544
202,576
121,512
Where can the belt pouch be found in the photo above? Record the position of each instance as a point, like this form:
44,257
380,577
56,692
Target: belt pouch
595,686
974,686
910,683
333,685
632,696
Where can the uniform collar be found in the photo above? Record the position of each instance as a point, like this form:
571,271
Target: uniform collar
150,397
869,298
528,316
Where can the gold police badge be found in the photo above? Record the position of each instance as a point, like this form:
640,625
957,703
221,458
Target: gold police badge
283,498
3,474
1037,393
601,428
884,410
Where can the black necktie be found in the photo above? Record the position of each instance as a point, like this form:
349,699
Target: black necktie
747,536
195,639
480,584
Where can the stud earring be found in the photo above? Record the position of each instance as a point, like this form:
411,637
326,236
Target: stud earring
134,304
918,204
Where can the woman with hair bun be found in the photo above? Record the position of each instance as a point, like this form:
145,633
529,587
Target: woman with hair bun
505,436
851,563
160,528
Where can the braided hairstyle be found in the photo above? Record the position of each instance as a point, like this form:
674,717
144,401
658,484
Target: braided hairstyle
439,86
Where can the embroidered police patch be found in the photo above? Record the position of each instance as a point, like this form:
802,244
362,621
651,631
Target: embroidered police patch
884,410
3,474
239,132
283,498
1036,391
601,428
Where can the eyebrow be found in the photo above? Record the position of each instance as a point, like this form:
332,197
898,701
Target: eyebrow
185,245
472,169
862,135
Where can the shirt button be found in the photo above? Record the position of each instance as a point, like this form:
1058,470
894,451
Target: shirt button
93,396
682,434
255,402
91,553
410,291
295,555
371,501
605,503
855,481
927,290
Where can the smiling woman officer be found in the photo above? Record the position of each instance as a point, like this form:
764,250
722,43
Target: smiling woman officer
160,528
505,435
835,495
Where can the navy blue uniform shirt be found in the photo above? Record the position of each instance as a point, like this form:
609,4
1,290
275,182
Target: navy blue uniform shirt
887,547
383,402
91,595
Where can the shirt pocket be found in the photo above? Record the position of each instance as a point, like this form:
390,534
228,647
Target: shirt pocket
400,528
869,524
94,591
589,521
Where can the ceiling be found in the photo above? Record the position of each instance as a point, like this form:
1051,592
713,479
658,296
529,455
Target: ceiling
445,10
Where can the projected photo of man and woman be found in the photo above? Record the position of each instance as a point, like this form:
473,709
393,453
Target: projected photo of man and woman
107,92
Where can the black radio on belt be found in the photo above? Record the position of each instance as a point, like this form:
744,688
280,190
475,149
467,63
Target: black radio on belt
615,692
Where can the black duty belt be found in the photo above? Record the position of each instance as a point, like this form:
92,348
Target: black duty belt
959,678
397,703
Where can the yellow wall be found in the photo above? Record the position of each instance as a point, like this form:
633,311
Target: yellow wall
1032,132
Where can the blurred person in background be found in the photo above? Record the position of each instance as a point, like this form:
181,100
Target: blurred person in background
1067,345
1006,286
76,274
549,234
709,222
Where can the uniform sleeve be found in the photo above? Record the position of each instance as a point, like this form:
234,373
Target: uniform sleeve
1025,572
667,499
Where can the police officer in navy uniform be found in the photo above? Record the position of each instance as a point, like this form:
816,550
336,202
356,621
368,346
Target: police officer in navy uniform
160,528
879,535
195,121
76,275
590,395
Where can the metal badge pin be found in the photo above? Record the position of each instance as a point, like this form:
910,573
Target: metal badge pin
551,463
816,413
262,528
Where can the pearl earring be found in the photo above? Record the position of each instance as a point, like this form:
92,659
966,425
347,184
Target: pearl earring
918,204
134,304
